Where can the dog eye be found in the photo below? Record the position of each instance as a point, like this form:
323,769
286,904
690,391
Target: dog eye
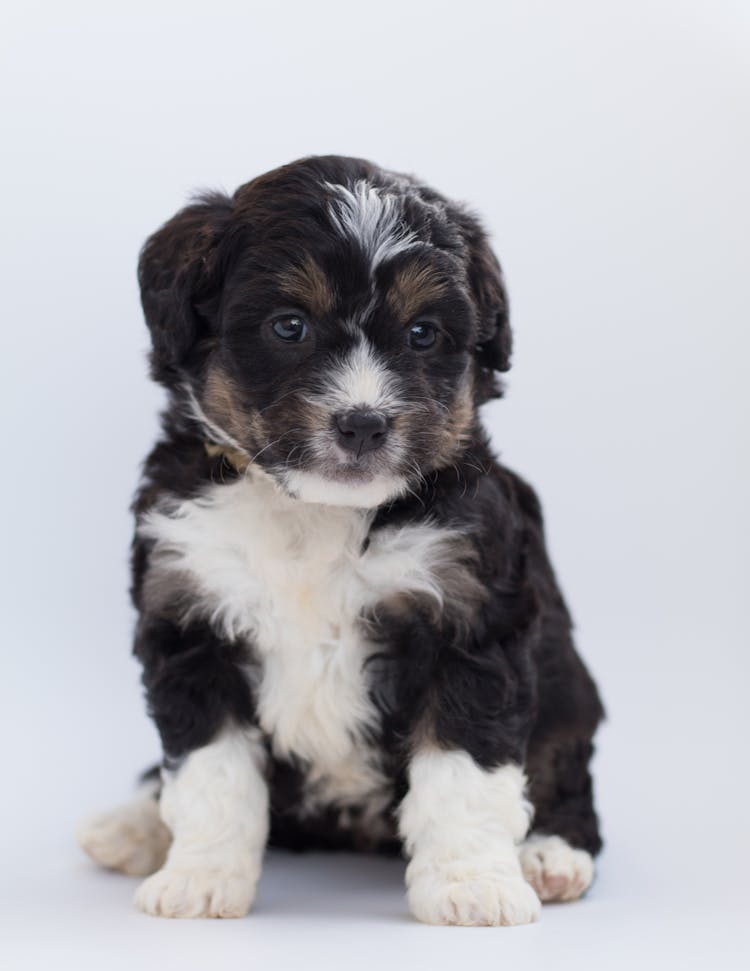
290,328
422,335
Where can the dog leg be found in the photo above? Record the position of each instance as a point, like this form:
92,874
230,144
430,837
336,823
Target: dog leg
216,805
461,824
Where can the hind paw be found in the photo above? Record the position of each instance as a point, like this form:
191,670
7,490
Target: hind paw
131,838
554,869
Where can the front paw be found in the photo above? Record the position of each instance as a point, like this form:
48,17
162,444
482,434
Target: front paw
442,895
196,892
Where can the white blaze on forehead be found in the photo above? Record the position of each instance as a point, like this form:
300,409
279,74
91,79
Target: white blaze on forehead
361,380
372,218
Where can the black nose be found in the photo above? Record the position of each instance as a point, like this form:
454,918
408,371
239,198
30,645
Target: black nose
361,431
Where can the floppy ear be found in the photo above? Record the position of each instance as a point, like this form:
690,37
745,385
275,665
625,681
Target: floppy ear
488,291
178,270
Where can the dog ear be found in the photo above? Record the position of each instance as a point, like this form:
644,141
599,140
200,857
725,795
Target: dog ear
178,272
487,289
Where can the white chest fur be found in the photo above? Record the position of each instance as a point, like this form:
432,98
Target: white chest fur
293,579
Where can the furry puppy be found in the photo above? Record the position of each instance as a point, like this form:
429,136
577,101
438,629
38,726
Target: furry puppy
351,635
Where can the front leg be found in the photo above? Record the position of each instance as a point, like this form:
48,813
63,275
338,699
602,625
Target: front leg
216,805
464,705
461,825
215,795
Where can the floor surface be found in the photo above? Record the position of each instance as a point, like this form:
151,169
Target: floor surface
342,911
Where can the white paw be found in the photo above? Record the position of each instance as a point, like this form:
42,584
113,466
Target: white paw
131,838
443,895
196,892
554,869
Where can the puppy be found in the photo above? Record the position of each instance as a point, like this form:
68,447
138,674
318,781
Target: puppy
351,635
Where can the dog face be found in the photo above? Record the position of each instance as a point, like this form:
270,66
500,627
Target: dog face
335,323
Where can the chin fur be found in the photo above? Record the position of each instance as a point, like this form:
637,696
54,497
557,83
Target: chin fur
369,494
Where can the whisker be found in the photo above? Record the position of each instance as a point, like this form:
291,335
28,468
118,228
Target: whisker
266,447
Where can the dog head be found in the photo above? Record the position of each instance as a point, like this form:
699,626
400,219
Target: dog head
335,323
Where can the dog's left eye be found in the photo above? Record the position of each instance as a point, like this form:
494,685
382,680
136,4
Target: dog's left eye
290,328
422,335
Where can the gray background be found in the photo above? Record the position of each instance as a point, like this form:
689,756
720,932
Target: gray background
607,146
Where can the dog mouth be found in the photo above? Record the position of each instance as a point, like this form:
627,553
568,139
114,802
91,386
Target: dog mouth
335,475
343,456
355,473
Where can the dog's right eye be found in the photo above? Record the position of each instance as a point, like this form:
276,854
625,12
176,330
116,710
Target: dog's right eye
291,328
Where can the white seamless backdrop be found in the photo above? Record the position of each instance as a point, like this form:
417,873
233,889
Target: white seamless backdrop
607,146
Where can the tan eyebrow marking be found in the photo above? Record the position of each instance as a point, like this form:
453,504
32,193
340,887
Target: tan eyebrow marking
415,287
308,284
